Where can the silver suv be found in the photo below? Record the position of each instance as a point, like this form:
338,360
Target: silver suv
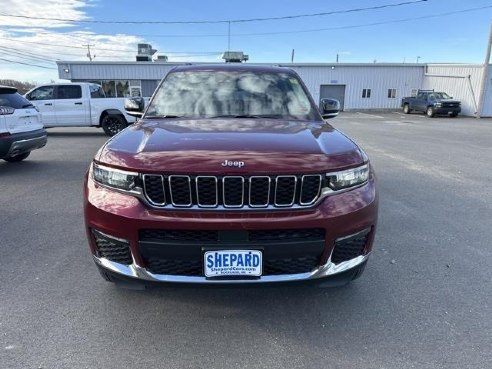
21,126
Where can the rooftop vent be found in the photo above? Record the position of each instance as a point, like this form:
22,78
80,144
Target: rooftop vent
234,57
145,52
162,58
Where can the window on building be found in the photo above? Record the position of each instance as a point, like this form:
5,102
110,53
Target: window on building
414,92
135,88
122,88
366,93
391,93
109,88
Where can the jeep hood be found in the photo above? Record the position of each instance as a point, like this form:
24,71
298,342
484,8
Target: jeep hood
200,146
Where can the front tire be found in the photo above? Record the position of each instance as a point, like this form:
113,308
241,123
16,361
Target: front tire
17,158
430,112
113,124
406,109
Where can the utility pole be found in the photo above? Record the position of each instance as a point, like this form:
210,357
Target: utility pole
337,57
89,55
485,71
229,36
292,56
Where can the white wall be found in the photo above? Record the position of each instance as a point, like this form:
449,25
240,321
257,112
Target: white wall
460,81
378,78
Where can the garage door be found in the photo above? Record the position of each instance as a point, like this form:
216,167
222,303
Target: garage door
333,92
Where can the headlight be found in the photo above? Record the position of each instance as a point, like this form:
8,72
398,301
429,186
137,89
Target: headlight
115,178
348,178
438,105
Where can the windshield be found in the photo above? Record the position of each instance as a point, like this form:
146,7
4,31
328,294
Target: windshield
211,94
440,95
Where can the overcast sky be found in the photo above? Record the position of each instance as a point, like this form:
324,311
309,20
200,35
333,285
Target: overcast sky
435,30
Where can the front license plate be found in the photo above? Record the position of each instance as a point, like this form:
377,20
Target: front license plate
233,263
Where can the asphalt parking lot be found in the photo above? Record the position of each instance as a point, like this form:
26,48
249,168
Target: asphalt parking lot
424,301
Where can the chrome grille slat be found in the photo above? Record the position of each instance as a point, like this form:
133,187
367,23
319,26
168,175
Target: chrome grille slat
228,191
304,194
151,184
252,197
281,192
178,192
231,192
203,186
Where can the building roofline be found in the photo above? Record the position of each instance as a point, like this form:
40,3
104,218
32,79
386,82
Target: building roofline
133,63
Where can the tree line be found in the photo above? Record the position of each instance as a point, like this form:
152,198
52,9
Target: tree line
22,87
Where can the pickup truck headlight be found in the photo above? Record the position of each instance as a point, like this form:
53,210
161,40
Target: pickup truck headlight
348,178
115,178
438,105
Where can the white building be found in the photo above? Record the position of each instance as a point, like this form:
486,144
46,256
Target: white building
358,86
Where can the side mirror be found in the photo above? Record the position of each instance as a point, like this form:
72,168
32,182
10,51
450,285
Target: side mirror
135,106
28,96
329,108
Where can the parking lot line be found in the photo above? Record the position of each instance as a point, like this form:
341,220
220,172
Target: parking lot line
407,115
370,115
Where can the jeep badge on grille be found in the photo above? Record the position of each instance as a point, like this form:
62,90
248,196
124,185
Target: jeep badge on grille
229,163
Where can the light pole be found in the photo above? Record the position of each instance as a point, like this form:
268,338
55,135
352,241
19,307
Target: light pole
418,58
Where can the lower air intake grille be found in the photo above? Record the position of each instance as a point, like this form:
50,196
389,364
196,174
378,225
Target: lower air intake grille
290,265
349,248
111,249
181,252
174,267
156,235
309,234
195,268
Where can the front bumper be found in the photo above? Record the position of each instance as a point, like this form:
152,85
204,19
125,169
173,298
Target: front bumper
122,216
442,110
137,272
20,143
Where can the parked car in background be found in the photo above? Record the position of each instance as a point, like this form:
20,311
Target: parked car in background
431,103
231,176
79,105
21,127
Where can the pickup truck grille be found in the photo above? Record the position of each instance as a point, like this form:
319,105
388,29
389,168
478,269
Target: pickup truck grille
232,192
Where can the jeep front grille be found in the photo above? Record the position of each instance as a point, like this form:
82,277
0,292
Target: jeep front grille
231,192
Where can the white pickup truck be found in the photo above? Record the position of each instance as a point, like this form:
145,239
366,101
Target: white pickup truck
79,105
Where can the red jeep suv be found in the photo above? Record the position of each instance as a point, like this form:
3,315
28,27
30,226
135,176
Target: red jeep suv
231,175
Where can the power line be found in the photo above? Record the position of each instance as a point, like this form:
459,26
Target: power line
29,64
27,54
112,50
363,25
62,45
303,31
345,11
